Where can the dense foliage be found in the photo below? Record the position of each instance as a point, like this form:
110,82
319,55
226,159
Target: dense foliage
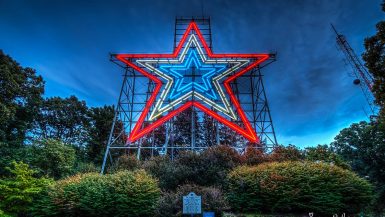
63,119
297,187
207,168
52,158
98,131
374,57
120,194
21,92
126,162
370,136
281,153
20,99
18,191
362,146
28,118
326,154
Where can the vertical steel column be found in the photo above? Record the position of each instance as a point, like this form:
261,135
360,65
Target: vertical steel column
134,96
113,124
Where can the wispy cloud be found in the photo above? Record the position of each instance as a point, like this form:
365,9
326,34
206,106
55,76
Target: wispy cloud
310,94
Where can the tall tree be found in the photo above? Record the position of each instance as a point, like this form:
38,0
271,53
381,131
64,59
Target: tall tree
325,153
230,137
21,92
52,158
20,97
209,130
374,57
156,138
365,143
362,145
100,126
285,153
63,119
183,126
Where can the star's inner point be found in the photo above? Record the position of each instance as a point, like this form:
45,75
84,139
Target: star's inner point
192,75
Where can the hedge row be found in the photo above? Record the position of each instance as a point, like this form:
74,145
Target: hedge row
120,194
208,168
294,187
274,187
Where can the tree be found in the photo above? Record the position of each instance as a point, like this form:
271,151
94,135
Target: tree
228,136
281,153
18,192
324,153
374,58
207,168
209,130
362,145
53,158
20,97
254,155
182,128
63,119
156,138
100,126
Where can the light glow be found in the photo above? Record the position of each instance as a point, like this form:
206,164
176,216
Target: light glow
240,64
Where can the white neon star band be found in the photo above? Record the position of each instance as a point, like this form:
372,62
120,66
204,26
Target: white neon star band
158,68
207,87
159,110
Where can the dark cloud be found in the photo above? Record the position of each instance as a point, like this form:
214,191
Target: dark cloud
310,93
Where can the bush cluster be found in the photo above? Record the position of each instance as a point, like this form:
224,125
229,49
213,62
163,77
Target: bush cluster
226,180
292,187
208,168
123,193
52,158
18,191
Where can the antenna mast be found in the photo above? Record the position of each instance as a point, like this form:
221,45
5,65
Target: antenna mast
363,78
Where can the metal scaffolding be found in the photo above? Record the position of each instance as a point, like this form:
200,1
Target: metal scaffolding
363,78
191,129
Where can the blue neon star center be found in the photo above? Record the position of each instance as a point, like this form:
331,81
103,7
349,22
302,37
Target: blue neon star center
192,75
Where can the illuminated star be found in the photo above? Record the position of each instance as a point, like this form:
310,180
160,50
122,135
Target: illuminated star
170,72
194,64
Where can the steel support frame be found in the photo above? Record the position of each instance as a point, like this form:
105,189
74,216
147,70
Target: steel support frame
132,99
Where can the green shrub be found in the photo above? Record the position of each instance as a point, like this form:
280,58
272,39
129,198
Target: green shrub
188,167
254,156
18,191
297,187
120,194
218,161
206,169
53,158
325,154
126,162
170,204
282,153
164,170
2,214
86,167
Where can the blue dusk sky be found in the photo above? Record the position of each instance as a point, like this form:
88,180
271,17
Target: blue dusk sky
311,94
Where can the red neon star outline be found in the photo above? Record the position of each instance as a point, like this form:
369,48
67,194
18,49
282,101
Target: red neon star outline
248,132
